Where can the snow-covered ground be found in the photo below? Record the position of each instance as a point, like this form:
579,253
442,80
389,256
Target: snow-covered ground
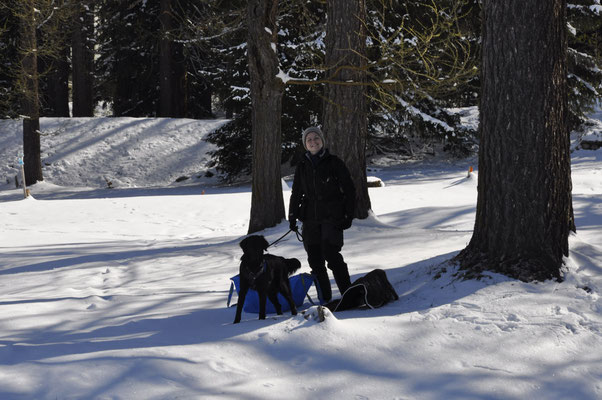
121,293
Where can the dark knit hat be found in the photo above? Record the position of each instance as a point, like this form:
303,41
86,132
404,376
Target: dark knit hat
309,130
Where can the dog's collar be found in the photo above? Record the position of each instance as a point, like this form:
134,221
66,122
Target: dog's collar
264,267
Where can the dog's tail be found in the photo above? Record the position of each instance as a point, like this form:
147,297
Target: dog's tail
292,265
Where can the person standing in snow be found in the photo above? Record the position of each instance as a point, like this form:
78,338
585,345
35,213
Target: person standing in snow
323,198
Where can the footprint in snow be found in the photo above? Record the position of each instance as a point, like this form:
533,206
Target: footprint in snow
300,360
222,367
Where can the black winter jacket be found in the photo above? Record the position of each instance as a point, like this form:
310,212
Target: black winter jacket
323,192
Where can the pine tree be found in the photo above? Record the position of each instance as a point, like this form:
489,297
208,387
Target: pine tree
82,50
218,54
584,59
267,203
300,44
127,69
423,61
395,110
9,37
54,61
28,85
524,206
172,65
345,109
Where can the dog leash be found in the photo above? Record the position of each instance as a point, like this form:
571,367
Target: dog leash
299,237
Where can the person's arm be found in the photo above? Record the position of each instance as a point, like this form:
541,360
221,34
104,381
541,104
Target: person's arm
348,188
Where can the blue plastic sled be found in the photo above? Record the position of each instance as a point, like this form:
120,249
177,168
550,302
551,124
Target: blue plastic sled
300,285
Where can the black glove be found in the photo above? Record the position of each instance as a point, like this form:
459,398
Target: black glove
346,224
292,223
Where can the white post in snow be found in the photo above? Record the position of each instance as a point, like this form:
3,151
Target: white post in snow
22,164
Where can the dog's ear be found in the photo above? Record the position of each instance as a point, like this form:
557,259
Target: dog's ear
244,244
265,243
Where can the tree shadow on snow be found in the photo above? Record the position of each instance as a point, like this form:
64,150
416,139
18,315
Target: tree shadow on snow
421,286
184,189
77,255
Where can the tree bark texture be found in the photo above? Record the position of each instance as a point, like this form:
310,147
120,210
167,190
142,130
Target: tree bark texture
30,100
524,207
267,203
345,113
82,49
172,72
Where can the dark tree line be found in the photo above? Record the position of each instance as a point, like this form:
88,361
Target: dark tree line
188,58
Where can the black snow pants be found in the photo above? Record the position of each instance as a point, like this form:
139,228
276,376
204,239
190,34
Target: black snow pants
323,243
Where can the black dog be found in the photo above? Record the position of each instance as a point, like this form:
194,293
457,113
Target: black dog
266,274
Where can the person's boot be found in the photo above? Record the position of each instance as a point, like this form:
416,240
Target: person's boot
341,277
324,290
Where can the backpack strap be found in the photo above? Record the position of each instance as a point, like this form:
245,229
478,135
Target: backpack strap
306,288
230,294
366,303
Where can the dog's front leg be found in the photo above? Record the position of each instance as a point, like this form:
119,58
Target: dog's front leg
262,299
288,295
241,301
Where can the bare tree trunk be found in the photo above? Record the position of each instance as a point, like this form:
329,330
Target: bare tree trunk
524,208
30,101
166,87
172,72
58,85
205,102
54,83
267,203
83,60
345,114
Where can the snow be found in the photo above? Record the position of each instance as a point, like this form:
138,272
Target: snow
283,76
593,131
425,117
121,293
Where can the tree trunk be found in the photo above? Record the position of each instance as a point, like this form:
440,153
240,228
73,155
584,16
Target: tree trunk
345,114
172,73
57,86
83,60
524,207
205,96
30,101
166,83
267,203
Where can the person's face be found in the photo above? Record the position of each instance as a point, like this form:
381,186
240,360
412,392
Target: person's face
313,142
